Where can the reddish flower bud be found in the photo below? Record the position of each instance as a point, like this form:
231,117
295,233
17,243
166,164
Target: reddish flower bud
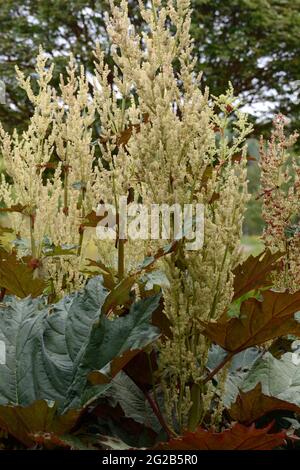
33,263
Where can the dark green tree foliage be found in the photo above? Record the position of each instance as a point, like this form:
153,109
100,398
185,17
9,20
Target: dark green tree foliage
253,43
60,27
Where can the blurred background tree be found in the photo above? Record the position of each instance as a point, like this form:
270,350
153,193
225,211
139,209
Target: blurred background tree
59,26
255,44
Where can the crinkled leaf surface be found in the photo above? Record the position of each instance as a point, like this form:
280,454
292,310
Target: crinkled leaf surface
42,343
51,349
240,362
128,395
119,341
279,378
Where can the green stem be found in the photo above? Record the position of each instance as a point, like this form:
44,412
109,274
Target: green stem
66,177
81,233
154,12
196,411
52,295
120,242
80,242
32,241
121,259
123,114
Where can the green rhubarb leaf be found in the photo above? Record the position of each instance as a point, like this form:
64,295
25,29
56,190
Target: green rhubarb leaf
48,351
278,378
112,344
129,396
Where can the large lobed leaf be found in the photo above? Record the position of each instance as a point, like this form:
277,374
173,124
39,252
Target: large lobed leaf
17,276
129,396
239,437
271,384
254,273
50,350
23,422
259,321
111,345
278,378
254,404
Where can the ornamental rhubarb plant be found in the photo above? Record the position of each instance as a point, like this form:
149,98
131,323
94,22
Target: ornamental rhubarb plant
132,342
